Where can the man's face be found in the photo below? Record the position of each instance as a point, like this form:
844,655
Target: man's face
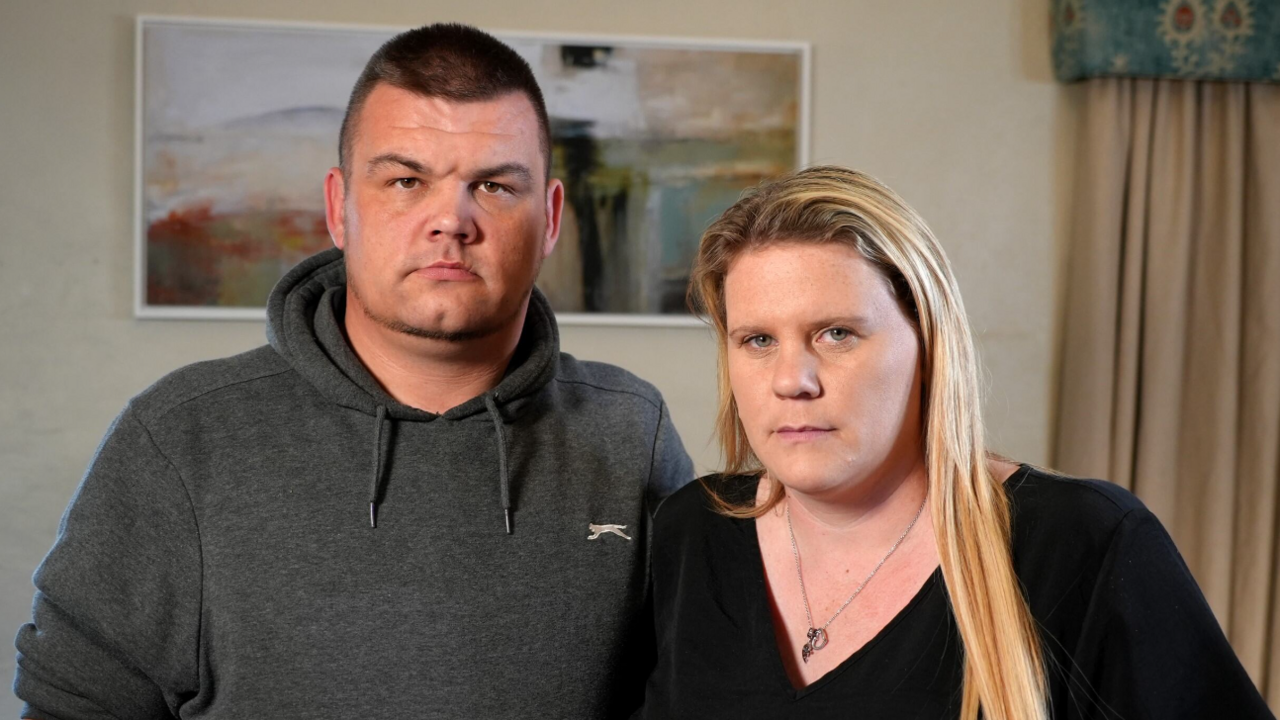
444,214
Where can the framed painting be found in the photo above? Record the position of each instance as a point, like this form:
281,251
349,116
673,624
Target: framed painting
237,124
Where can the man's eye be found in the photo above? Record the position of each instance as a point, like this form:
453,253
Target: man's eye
839,334
406,183
491,188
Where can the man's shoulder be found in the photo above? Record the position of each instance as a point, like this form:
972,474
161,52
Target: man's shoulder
592,376
206,378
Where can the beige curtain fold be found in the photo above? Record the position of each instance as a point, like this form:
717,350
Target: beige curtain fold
1171,354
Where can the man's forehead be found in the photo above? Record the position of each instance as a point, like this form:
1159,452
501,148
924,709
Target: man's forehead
506,120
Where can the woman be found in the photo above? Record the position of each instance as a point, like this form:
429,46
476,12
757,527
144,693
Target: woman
863,555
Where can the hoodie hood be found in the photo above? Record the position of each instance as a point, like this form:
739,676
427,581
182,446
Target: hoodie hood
305,326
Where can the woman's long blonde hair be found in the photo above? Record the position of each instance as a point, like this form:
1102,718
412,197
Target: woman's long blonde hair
1004,667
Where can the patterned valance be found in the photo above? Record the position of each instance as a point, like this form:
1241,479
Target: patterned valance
1187,39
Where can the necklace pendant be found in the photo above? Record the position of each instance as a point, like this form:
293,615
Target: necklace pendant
817,640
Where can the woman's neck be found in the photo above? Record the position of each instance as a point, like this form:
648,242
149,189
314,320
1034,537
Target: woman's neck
862,508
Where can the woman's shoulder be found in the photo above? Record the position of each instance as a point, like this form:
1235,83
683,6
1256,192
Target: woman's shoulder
694,505
1047,503
1067,531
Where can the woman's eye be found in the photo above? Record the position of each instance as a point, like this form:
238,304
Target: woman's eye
758,341
406,183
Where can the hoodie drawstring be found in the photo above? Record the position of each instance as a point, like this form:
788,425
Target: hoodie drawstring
378,480
504,481
375,485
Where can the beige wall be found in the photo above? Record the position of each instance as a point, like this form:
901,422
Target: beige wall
950,103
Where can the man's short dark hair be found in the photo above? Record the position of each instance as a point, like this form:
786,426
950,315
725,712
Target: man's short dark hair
450,61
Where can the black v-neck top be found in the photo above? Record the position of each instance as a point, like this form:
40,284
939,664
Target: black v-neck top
1126,631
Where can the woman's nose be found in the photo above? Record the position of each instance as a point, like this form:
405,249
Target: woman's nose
795,375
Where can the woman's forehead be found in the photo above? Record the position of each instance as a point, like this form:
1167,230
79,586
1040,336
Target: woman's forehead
787,279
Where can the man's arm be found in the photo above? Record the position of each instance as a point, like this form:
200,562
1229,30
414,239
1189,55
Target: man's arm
116,618
671,468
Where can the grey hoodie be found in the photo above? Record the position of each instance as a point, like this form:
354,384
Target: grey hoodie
272,535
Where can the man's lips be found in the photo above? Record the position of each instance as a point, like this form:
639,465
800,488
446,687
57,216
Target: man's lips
802,433
446,270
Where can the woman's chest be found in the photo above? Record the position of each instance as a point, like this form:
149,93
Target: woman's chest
720,655
828,603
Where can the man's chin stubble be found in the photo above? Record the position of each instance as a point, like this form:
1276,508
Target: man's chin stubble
455,336
452,336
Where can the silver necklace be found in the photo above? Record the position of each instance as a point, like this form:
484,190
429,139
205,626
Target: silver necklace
818,635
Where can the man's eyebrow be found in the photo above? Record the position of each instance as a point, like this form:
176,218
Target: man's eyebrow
385,159
511,169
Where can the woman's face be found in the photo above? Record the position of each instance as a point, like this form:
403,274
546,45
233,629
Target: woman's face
825,368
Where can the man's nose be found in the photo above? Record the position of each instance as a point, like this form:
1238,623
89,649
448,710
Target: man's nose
452,217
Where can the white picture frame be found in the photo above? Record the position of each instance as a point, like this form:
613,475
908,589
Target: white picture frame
169,106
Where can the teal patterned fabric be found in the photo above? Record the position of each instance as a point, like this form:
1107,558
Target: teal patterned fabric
1186,39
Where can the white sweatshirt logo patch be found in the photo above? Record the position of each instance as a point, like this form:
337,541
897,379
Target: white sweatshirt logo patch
598,530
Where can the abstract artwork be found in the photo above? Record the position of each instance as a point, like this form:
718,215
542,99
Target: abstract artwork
238,124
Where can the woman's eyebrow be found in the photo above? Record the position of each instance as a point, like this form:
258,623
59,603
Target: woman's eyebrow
854,320
843,320
747,330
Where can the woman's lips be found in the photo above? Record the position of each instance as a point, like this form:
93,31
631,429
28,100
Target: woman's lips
803,433
448,271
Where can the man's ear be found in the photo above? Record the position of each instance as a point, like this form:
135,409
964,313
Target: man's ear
555,209
335,197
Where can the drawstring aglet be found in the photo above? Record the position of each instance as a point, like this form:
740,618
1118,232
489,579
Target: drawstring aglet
507,513
375,483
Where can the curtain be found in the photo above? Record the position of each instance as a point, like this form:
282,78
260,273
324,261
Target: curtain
1182,39
1170,379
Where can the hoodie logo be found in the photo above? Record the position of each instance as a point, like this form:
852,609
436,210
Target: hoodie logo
598,530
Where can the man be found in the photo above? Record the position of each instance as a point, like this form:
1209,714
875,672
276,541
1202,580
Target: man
392,509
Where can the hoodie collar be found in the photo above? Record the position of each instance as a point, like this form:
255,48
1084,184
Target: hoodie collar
305,325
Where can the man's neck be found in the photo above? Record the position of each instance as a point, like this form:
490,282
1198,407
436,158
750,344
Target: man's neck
428,374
